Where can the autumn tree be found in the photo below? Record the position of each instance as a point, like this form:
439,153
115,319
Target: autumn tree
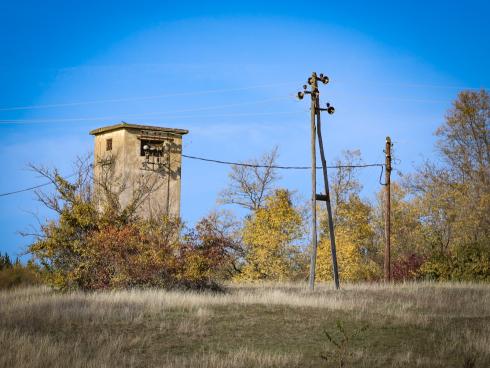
16,274
406,232
220,235
344,182
354,240
354,233
453,198
270,235
251,183
89,246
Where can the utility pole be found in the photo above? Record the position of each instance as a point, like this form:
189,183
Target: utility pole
315,114
331,232
387,260
314,241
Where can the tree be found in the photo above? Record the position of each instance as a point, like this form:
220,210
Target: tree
453,199
91,246
354,233
250,185
354,239
5,261
15,274
344,181
269,235
464,139
407,253
216,245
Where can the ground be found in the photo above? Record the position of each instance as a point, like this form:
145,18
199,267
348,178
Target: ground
273,325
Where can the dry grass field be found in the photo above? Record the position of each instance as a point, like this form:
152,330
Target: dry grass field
273,325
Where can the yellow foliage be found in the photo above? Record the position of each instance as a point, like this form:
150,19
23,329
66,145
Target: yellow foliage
353,265
353,235
269,235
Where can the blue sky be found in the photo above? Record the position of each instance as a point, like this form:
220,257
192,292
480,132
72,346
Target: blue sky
228,72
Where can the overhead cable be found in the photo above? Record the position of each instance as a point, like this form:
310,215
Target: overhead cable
279,167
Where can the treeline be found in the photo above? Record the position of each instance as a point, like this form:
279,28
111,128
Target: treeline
14,273
440,224
440,213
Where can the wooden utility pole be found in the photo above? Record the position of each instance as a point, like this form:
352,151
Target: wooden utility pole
314,242
387,260
315,114
331,232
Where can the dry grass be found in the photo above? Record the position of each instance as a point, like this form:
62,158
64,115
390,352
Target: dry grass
266,325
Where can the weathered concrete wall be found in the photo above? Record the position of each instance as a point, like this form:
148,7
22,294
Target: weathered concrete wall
123,168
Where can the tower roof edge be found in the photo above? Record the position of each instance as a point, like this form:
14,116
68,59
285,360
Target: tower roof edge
124,125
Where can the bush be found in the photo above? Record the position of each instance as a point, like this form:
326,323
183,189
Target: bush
95,243
138,254
18,275
470,263
150,254
407,267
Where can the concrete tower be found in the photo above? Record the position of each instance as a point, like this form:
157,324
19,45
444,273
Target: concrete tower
141,164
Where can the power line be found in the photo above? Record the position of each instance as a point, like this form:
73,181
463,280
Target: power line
222,90
141,98
168,115
32,188
173,117
280,167
25,190
359,166
164,114
424,85
211,91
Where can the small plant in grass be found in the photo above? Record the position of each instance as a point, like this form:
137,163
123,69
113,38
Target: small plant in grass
341,341
469,360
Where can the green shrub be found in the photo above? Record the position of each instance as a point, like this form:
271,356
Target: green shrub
469,263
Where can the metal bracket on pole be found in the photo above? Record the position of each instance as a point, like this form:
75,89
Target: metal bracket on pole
322,197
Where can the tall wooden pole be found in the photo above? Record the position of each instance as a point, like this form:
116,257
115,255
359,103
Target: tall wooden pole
331,231
315,117
314,91
387,260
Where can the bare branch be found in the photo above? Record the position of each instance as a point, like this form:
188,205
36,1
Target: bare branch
249,186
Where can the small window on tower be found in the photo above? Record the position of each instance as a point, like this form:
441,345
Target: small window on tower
108,144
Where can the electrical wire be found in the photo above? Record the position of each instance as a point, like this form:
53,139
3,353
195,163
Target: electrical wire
360,166
154,121
141,98
212,91
25,190
278,166
164,114
32,188
228,163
